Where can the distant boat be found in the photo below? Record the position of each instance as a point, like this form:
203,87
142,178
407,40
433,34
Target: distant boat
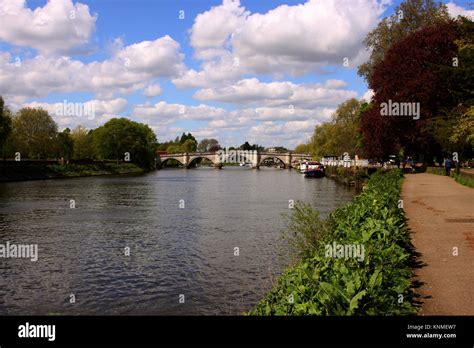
314,170
303,167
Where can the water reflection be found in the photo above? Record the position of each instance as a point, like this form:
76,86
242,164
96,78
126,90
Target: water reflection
173,251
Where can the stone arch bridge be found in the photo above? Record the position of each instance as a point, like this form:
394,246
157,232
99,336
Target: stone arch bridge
218,158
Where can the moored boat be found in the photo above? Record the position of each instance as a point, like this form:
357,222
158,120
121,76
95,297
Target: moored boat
314,170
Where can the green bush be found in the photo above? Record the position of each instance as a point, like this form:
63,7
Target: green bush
464,180
377,285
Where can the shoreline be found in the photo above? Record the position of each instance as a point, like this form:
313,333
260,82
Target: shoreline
41,171
378,281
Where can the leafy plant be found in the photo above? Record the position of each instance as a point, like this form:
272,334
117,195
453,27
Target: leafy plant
377,285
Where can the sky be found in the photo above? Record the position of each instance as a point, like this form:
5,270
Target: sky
263,71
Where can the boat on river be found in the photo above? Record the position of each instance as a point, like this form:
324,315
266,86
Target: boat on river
314,170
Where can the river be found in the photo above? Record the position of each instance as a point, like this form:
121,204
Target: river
181,227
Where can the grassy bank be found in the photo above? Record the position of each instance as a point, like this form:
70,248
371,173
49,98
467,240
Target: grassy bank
35,171
319,284
462,178
349,176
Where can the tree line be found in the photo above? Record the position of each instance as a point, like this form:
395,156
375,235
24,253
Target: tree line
420,57
32,133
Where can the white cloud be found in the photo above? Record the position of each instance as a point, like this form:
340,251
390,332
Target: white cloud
252,91
212,29
290,133
286,40
165,113
216,72
455,10
152,91
247,91
57,27
104,110
131,68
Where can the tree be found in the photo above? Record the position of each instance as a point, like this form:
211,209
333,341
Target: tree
65,144
246,146
412,72
174,149
5,126
408,17
206,145
164,146
341,134
120,136
34,133
185,137
189,146
302,148
83,147
280,149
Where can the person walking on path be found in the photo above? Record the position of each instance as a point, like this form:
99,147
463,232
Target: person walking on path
447,166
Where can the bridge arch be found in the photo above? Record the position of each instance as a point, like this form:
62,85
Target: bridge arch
264,157
177,159
208,157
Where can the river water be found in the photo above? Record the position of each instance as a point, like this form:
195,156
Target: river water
182,228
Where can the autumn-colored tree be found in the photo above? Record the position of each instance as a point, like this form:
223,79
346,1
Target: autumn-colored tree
411,73
409,17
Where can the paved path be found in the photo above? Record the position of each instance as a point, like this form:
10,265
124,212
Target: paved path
440,215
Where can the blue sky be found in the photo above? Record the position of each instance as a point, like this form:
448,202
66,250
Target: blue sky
263,71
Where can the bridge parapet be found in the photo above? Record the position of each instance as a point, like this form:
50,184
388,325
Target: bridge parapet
219,157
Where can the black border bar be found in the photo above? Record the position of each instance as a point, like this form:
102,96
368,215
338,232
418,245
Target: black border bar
194,330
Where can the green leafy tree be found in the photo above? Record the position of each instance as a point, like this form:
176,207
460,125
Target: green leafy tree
189,145
340,135
83,143
65,144
246,146
120,136
5,126
34,134
185,137
302,148
174,149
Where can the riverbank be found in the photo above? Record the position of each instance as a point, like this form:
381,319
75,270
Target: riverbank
441,219
357,262
350,176
37,171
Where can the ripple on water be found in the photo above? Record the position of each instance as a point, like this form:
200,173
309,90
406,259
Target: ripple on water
173,251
